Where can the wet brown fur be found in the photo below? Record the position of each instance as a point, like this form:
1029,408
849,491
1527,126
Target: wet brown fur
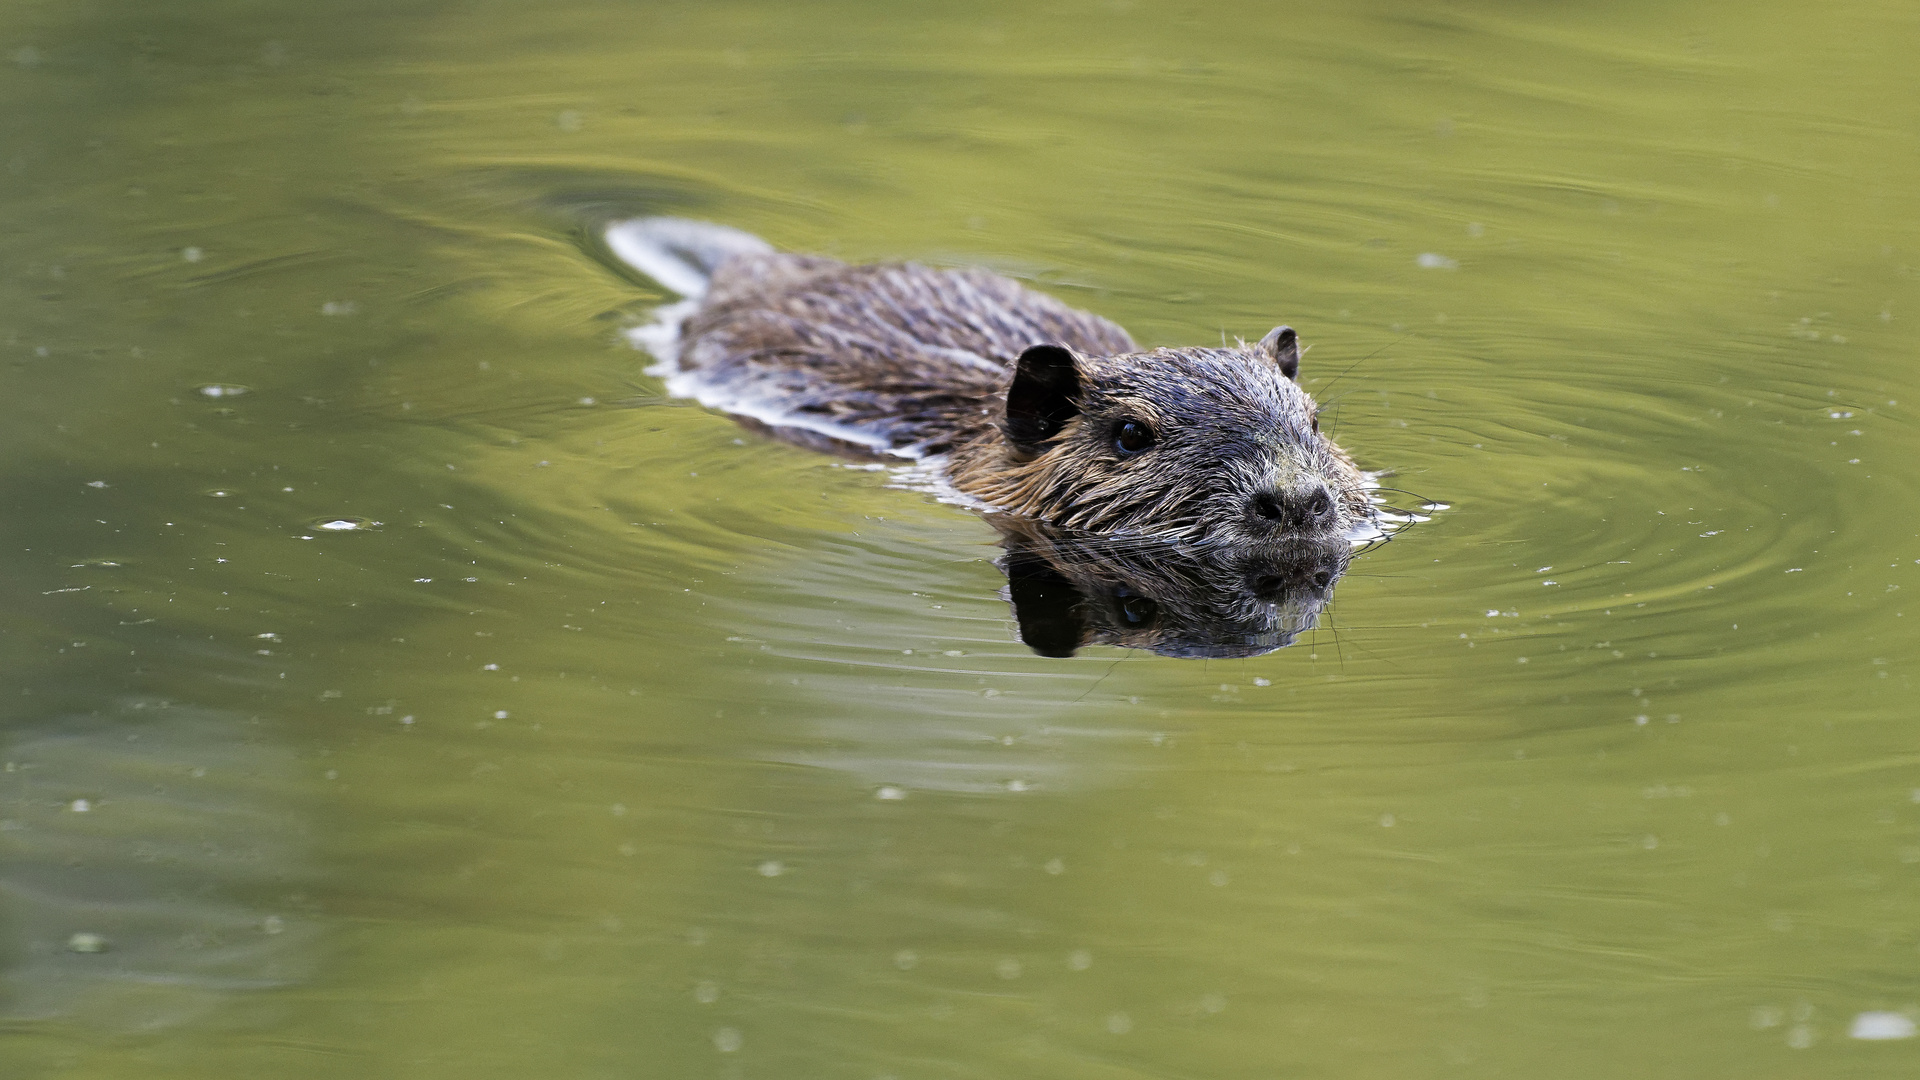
922,362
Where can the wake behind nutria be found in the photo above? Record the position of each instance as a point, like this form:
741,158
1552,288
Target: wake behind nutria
1021,402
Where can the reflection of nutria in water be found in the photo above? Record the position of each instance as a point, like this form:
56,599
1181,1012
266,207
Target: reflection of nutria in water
1022,402
1072,590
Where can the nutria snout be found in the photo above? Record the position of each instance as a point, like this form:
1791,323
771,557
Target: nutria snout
1020,401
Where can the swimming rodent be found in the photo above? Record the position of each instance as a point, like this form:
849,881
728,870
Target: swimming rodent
1021,402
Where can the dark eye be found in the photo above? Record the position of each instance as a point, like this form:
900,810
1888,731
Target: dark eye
1131,437
1316,423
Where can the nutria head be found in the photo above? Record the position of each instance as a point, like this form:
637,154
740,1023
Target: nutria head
1185,444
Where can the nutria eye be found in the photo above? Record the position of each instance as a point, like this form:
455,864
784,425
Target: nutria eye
1132,437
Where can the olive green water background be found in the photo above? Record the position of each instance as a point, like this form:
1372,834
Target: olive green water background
621,742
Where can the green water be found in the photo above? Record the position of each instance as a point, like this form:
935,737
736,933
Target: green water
621,742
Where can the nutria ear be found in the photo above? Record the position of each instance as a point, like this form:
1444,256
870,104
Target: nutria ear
1282,346
1040,401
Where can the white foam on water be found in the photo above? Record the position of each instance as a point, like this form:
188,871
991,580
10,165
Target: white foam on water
1876,1026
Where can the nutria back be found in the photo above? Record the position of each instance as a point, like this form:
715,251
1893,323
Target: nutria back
1022,402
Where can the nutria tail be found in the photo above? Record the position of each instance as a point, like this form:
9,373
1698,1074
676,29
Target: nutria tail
679,254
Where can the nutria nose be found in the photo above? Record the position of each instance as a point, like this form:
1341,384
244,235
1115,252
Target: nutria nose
1303,509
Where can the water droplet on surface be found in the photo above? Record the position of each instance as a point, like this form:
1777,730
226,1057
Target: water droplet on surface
1882,1025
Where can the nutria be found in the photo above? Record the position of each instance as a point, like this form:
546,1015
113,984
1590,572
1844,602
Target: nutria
1021,402
1070,590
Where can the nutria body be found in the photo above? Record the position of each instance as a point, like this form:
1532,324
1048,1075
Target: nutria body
1022,402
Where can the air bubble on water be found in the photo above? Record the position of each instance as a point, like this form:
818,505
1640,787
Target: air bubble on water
338,307
772,868
1764,1016
501,714
1219,878
344,524
890,793
192,254
222,390
1079,959
1008,969
1119,1023
727,1040
1429,260
80,806
1213,1004
87,943
1800,1036
96,483
272,924
906,959
1016,785
1055,866
1882,1025
1386,821
706,991
218,493
406,720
